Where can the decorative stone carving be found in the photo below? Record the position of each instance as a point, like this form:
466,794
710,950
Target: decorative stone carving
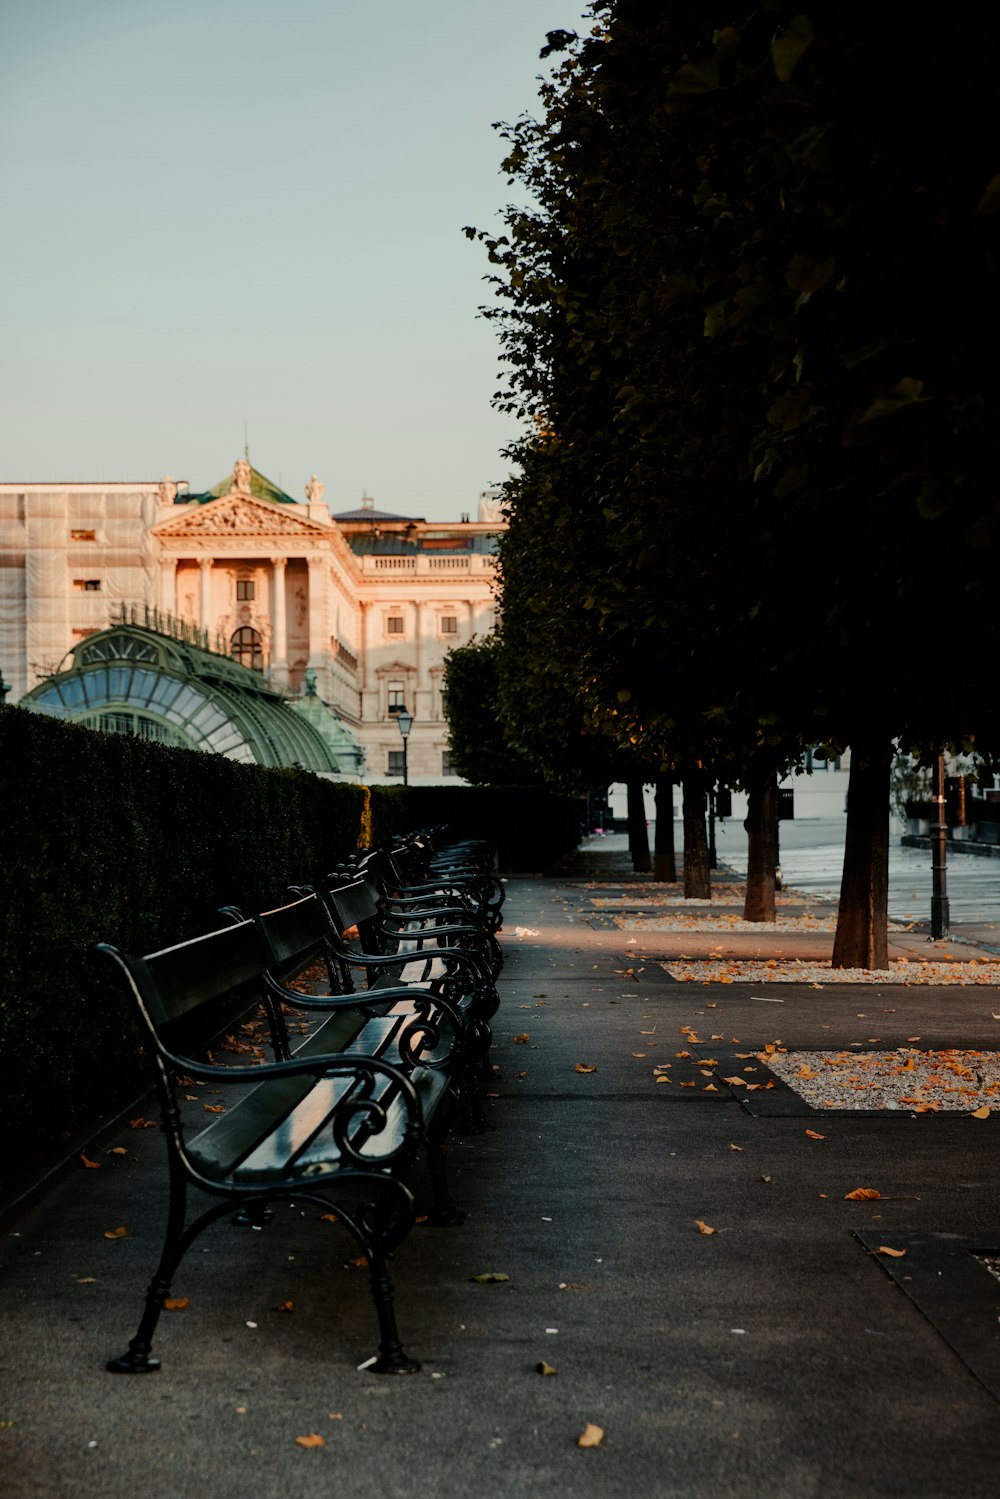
167,490
241,476
240,514
315,490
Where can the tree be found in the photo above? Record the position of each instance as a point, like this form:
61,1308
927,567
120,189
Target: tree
740,309
479,750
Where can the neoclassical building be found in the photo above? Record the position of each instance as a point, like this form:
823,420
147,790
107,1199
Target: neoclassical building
345,618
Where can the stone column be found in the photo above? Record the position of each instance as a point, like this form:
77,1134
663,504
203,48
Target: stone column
279,620
205,595
472,620
319,621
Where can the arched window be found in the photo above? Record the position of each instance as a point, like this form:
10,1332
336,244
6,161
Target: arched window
245,647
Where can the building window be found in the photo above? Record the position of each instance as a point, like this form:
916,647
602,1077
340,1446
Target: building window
83,536
396,696
87,585
446,767
246,648
394,624
449,624
395,765
246,589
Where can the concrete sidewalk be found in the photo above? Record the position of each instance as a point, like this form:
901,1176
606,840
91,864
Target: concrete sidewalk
777,1358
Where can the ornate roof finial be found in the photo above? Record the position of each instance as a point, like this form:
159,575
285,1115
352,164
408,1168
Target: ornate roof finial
367,502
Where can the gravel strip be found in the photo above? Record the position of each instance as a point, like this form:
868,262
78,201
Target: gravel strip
702,923
920,1082
817,975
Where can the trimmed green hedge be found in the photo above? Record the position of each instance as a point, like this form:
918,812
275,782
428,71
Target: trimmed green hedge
106,838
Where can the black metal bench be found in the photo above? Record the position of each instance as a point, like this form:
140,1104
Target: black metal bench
337,1122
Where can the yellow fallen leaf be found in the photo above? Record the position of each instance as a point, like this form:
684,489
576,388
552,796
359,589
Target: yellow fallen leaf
544,1368
521,1039
638,1053
862,1194
710,1088
214,1108
736,1147
489,1278
313,1440
90,1165
592,1436
815,1135
585,1067
895,1254
664,1079
116,1150
687,1085
983,1113
735,1082
704,1228
116,1233
328,1218
176,1303
285,1306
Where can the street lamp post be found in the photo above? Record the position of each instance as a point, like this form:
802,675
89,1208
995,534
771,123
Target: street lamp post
939,847
405,722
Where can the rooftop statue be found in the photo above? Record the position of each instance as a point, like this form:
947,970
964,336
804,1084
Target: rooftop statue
314,490
167,490
241,476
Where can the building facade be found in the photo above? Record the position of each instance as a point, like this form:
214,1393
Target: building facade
357,610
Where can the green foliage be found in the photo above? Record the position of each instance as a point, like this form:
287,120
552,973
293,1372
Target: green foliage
736,316
530,826
106,838
480,752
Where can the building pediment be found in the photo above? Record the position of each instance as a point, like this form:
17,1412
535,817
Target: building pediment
239,515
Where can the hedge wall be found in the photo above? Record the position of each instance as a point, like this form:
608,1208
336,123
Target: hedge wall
108,838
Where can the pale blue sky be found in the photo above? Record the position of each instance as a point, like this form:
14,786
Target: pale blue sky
220,212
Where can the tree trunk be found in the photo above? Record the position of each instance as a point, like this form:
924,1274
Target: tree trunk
862,939
638,833
697,880
664,858
762,812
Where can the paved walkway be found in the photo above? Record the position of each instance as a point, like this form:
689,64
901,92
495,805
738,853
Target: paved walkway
775,1358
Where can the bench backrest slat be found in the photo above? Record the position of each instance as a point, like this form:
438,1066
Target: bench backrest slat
294,933
352,905
178,981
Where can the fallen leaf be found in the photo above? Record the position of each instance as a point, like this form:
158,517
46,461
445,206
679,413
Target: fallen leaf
544,1368
285,1306
983,1113
815,1134
639,1053
585,1067
592,1436
313,1440
710,1088
90,1165
359,1262
895,1254
116,1150
86,1280
176,1303
489,1278
141,1123
214,1108
521,1039
735,1082
664,1079
736,1147
116,1233
862,1194
328,1218
704,1228
687,1085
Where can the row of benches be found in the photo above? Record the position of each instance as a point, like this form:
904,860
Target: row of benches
394,964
